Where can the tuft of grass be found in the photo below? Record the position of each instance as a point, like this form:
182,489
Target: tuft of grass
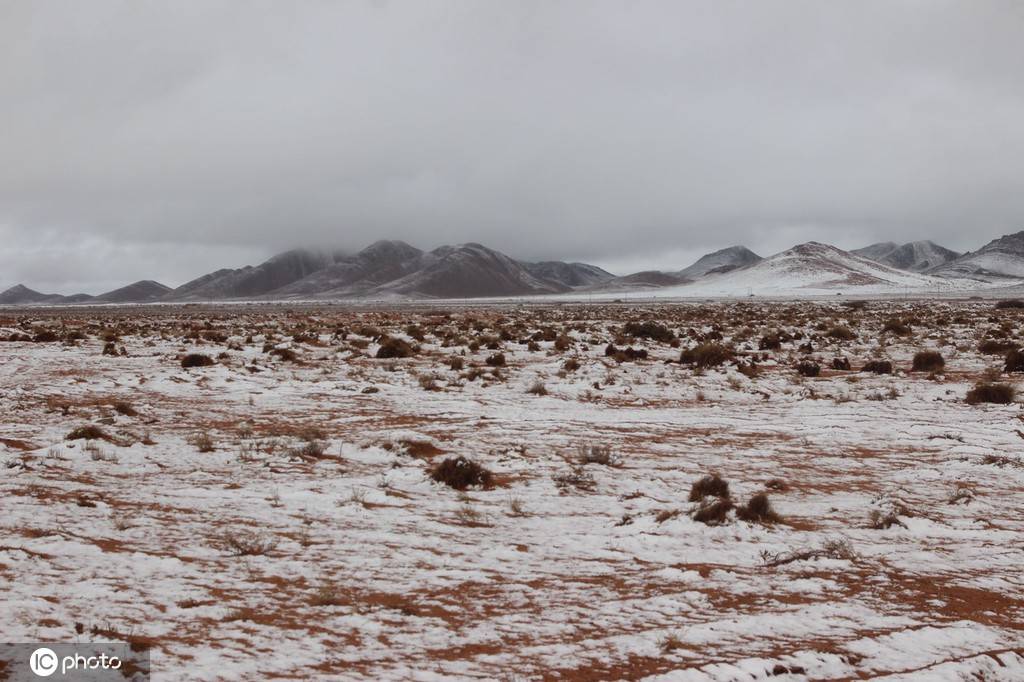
196,360
877,367
713,511
706,355
391,347
1014,361
808,368
711,485
986,392
248,543
88,432
758,509
928,361
460,473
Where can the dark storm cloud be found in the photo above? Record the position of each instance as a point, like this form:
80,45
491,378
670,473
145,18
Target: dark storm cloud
177,137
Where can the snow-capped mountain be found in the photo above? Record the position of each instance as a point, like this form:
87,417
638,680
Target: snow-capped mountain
997,261
811,268
720,261
917,256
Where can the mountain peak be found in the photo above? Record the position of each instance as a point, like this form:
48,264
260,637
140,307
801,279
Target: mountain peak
717,262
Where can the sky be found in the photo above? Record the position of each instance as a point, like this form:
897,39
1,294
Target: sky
166,140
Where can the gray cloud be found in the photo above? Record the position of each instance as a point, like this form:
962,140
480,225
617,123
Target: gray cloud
146,139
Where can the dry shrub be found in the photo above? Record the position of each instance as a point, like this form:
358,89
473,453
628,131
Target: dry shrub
496,360
202,441
713,511
808,369
842,364
877,367
537,388
578,477
649,330
460,473
711,485
841,333
571,365
928,361
625,354
1010,303
88,432
563,343
985,392
897,327
994,347
124,408
1014,361
598,454
706,355
285,354
196,360
391,347
456,363
248,543
758,509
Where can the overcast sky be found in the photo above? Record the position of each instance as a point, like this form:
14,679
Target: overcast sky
165,139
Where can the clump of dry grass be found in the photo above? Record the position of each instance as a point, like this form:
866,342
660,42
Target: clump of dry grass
707,355
202,441
987,392
393,347
461,473
598,454
88,432
758,509
928,361
713,511
196,360
248,542
711,485
877,367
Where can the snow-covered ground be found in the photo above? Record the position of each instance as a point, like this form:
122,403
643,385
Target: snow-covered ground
275,518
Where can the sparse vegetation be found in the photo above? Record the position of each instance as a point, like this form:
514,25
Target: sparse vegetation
987,392
460,473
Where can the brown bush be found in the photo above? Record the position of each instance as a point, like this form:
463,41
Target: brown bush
625,354
711,485
571,365
706,355
1014,361
808,369
897,327
994,347
841,333
196,360
496,360
985,392
461,473
758,509
713,511
877,367
648,330
392,347
88,432
842,364
928,361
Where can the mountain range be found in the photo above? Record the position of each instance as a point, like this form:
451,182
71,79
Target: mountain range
396,270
